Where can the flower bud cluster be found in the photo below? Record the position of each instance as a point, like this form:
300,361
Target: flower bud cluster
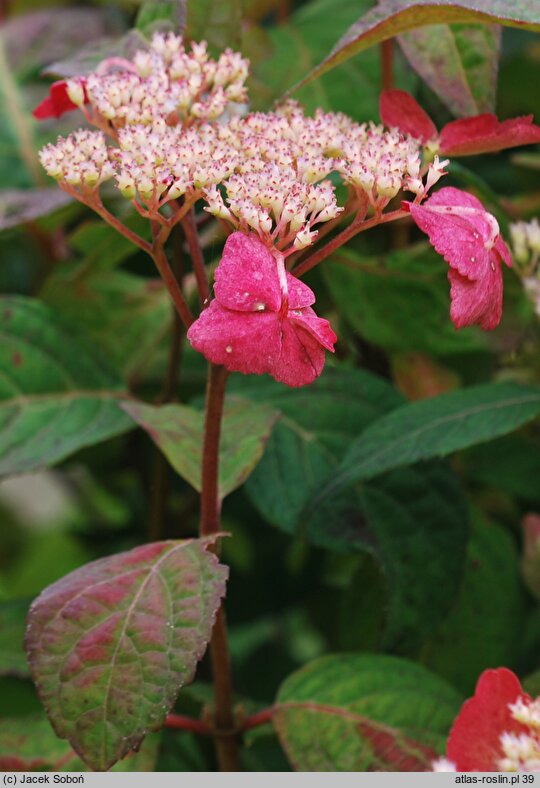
526,248
158,163
80,160
522,751
169,82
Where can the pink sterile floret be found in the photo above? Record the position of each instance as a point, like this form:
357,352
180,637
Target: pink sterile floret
58,101
463,137
261,318
467,236
475,744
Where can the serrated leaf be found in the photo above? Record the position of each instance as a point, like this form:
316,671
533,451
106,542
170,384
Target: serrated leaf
28,743
389,18
123,315
486,623
56,394
111,644
361,710
313,433
18,206
436,427
414,523
458,62
12,625
179,430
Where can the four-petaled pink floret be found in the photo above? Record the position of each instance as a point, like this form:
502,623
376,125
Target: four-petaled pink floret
261,320
467,236
464,137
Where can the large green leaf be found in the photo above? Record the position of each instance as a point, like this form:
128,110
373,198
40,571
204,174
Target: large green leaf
179,432
436,427
364,713
220,24
303,41
110,644
414,522
487,621
314,431
125,316
458,62
399,302
56,394
18,206
391,17
510,465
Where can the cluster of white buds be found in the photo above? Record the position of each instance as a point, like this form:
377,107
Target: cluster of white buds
275,203
526,248
79,160
167,81
522,750
158,163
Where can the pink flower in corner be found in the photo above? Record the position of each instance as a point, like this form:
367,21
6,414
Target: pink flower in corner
463,137
261,320
496,730
58,100
467,236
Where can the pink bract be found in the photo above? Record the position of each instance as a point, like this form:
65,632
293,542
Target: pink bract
474,743
467,236
463,137
261,320
57,102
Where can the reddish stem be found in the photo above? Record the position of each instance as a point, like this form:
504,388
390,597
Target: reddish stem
345,235
197,257
183,723
260,718
225,732
167,274
387,64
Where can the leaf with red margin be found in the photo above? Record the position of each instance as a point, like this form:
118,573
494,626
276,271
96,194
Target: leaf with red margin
389,18
395,752
111,644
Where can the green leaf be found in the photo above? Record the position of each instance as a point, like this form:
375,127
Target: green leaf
178,430
28,743
313,433
436,427
125,316
56,395
458,62
220,24
487,621
301,42
399,302
111,644
351,705
389,18
12,625
414,523
161,15
510,465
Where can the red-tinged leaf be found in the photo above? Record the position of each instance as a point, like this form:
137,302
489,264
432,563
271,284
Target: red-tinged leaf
389,18
486,134
395,752
398,108
419,376
18,206
111,644
458,62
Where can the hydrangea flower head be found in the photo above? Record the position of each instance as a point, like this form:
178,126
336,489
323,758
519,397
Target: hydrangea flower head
467,236
464,137
261,320
497,730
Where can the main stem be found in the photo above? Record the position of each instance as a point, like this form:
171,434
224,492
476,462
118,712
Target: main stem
225,733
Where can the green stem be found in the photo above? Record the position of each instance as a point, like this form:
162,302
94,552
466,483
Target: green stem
225,731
